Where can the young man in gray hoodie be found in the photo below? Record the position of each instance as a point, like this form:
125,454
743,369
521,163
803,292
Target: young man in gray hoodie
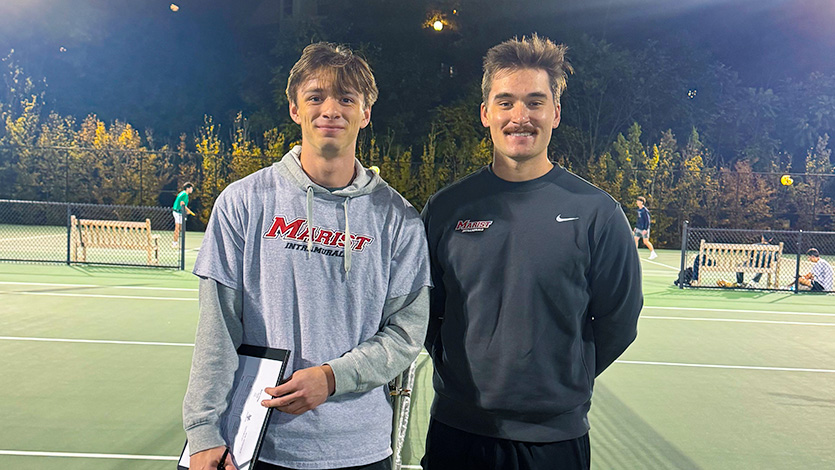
317,255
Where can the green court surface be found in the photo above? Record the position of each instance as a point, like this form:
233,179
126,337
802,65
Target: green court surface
96,360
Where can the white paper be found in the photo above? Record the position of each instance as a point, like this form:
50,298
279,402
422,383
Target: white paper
245,417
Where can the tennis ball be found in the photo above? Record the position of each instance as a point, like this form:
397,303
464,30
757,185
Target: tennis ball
786,180
375,169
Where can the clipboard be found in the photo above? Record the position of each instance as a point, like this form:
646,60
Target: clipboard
244,423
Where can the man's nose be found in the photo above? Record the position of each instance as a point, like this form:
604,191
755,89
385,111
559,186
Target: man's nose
520,114
331,109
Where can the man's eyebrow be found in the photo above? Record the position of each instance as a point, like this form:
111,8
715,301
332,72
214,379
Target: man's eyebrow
502,96
536,94
320,90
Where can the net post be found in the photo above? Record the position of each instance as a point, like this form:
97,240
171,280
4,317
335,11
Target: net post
69,231
183,216
684,235
797,264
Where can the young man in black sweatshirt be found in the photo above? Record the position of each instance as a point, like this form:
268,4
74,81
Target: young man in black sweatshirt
537,284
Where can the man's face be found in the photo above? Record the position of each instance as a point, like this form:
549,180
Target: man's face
521,114
189,190
639,203
330,120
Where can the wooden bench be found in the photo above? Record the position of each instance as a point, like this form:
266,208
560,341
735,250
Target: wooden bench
117,234
732,258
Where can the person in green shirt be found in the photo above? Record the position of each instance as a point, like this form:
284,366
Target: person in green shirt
180,204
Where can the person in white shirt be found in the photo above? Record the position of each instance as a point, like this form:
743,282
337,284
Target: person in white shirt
820,278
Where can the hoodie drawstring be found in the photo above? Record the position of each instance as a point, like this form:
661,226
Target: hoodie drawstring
348,244
309,220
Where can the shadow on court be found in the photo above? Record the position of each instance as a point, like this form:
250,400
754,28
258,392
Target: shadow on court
622,439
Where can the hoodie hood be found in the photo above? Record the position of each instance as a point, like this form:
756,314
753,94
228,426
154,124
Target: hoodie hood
365,182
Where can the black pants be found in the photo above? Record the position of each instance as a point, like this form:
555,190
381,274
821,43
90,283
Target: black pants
448,448
740,277
381,465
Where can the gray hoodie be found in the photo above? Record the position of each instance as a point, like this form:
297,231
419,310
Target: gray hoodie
266,282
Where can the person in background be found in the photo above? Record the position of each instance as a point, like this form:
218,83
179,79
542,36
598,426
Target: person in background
642,227
820,278
180,206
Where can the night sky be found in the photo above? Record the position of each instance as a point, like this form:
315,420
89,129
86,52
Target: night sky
138,61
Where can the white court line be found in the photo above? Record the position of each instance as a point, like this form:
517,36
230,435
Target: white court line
424,353
84,286
772,312
723,366
87,456
101,296
661,264
93,341
733,320
710,366
62,235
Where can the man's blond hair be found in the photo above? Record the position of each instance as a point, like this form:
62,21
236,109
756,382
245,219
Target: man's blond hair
535,52
338,66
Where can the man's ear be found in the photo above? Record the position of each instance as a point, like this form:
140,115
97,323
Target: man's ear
558,109
484,119
294,113
366,117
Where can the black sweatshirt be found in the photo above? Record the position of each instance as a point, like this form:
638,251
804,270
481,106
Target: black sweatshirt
537,290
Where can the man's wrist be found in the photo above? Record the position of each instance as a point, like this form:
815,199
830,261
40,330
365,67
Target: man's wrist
330,378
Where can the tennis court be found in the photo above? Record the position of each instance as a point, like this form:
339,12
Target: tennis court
96,359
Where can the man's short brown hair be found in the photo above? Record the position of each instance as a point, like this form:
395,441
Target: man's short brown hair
533,52
642,199
338,66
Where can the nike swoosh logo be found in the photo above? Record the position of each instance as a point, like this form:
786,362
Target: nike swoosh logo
561,219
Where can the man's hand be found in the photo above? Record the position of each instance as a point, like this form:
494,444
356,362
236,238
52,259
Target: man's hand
209,458
306,389
643,232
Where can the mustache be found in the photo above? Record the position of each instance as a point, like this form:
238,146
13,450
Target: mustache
511,130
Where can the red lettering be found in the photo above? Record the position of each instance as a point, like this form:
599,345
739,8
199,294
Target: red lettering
293,231
337,236
361,241
323,237
286,230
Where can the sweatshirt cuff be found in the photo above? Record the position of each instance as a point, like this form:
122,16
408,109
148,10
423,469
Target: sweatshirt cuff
203,437
345,374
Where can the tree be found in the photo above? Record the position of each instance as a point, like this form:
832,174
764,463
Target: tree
214,170
51,169
661,168
808,195
696,189
744,198
602,98
246,156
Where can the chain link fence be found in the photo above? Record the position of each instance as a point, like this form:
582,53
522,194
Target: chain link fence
52,232
757,259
